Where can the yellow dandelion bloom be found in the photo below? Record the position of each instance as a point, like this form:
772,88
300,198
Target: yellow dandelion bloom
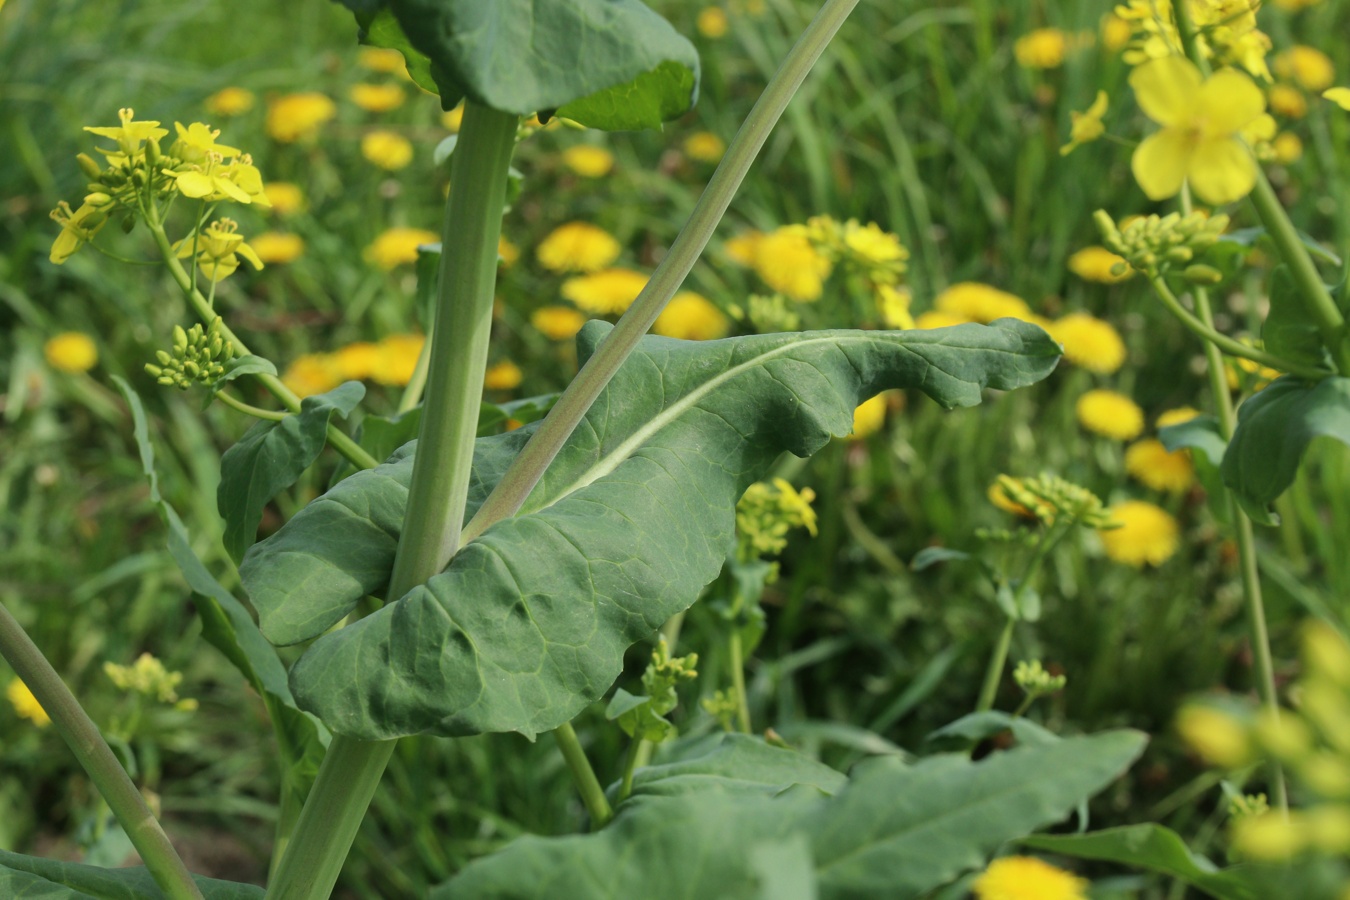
1086,126
1027,878
229,101
705,147
1043,48
872,246
605,293
285,198
1340,96
71,351
1089,342
397,246
1099,264
577,247
276,247
1110,414
787,261
507,252
557,323
453,118
976,302
712,22
1308,67
691,317
396,357
741,248
1287,147
588,160
1201,138
25,704
1147,535
294,117
940,318
893,304
313,373
869,417
356,362
381,59
502,376
387,149
377,98
1287,101
1152,465
1177,416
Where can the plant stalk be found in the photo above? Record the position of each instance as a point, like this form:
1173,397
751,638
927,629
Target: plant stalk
994,674
351,769
592,795
737,662
97,759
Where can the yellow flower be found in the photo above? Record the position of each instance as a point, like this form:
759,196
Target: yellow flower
741,248
705,146
609,292
787,261
1098,264
397,246
1116,32
1027,878
396,358
1150,462
218,247
284,197
938,318
999,497
1177,416
588,160
976,302
1287,101
453,118
502,376
382,59
712,22
377,98
507,252
893,304
1089,342
313,373
557,323
25,704
1326,653
1271,835
1087,125
1340,96
691,317
871,246
356,362
1110,414
1043,48
1147,535
577,247
293,117
71,351
387,149
230,101
1308,67
276,247
130,135
77,228
1202,123
1218,737
869,417
1287,147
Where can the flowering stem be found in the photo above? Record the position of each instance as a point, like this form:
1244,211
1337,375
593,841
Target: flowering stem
631,761
270,415
737,655
96,757
527,468
994,674
592,795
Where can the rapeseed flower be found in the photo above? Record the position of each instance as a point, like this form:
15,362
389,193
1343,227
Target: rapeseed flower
605,293
691,317
229,101
557,323
1089,343
1086,126
1147,534
276,247
705,146
1287,148
997,494
377,98
877,250
77,228
712,22
1043,48
218,247
976,302
396,246
577,247
1154,466
25,704
285,198
1287,101
1308,67
588,160
130,135
1027,878
1110,414
387,149
502,376
1100,265
787,261
742,247
1201,139
71,351
294,117
1218,737
893,304
869,417
1340,96
1116,32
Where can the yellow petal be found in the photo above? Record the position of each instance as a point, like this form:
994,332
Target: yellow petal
66,243
249,254
1222,171
1167,89
1340,96
231,190
195,184
1161,161
1228,101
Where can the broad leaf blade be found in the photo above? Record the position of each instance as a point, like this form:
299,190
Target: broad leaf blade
735,764
35,878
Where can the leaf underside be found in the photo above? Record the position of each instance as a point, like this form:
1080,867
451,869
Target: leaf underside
529,623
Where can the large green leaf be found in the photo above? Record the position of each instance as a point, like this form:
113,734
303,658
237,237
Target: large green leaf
612,64
270,457
1154,848
33,878
529,623
893,832
1274,429
734,764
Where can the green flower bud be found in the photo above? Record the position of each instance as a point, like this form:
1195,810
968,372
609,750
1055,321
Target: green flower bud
1202,274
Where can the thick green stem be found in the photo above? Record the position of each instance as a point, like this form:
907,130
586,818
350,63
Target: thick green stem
527,468
592,795
630,765
737,663
351,769
96,757
994,674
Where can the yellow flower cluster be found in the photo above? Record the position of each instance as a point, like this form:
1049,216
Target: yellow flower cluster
1226,32
389,362
386,149
692,317
765,515
148,677
577,247
1146,534
298,117
71,351
796,260
605,293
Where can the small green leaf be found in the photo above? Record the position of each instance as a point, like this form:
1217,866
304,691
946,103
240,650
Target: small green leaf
35,878
972,728
245,365
379,28
651,98
931,556
1150,847
1199,435
1290,331
270,457
1274,428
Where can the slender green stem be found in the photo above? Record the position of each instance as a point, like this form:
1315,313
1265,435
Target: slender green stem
994,674
630,764
527,468
96,757
270,415
351,769
737,663
592,795
412,393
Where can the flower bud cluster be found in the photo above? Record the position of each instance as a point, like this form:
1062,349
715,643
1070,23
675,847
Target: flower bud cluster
1156,244
1051,499
765,515
199,357
1035,681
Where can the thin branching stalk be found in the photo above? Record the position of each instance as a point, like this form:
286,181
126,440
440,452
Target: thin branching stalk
592,795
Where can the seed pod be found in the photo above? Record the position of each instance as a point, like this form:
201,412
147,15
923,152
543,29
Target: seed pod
1202,274
88,166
